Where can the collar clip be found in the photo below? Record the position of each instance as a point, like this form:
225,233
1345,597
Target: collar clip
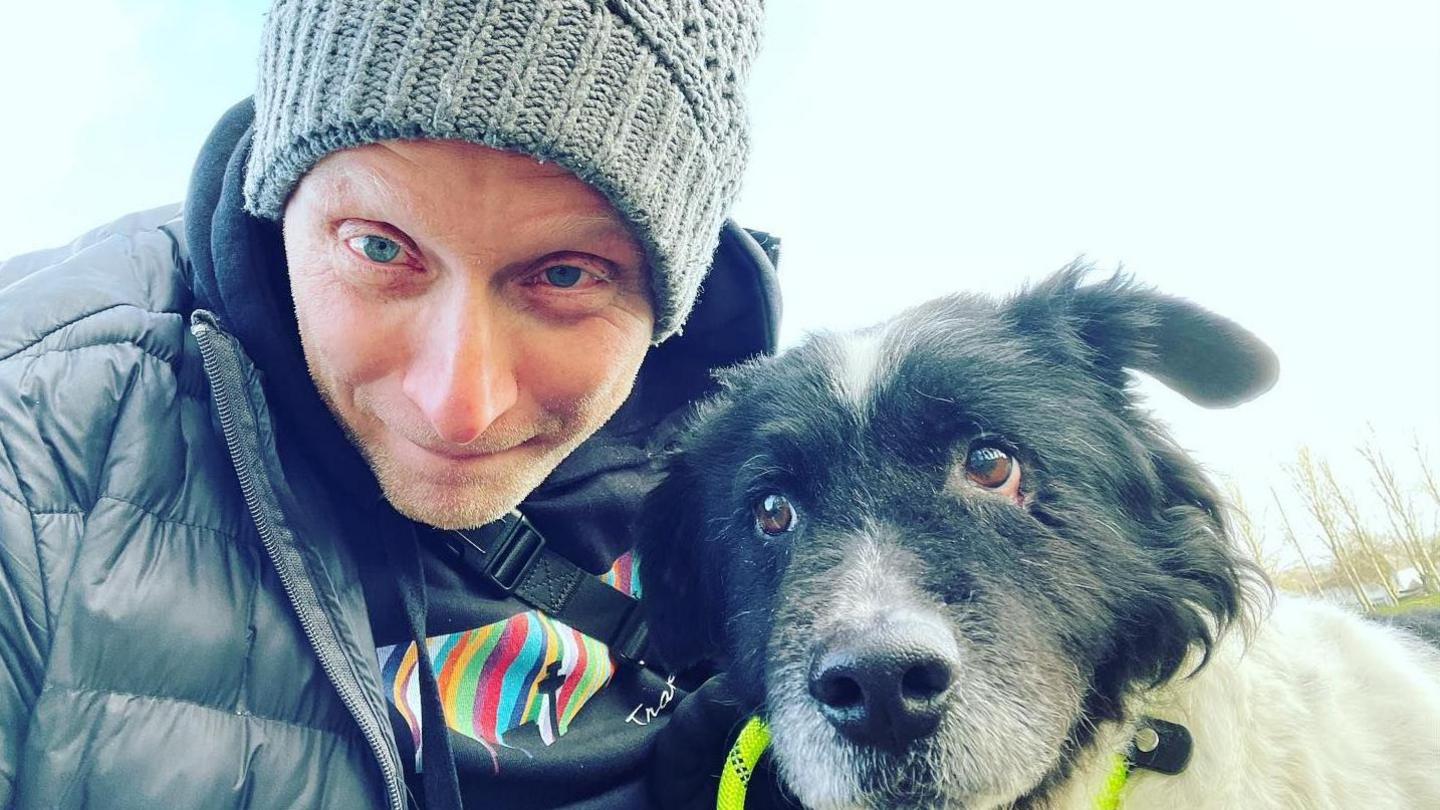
1160,746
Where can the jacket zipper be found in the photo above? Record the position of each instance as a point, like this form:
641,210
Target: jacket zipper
223,372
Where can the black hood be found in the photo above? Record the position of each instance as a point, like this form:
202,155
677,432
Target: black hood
586,505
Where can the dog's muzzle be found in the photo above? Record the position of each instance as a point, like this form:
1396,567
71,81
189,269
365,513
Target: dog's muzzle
888,686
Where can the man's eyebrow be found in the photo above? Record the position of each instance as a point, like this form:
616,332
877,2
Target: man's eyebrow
373,187
560,227
587,227
363,182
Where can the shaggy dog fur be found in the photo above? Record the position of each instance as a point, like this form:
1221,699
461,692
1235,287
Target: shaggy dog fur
831,531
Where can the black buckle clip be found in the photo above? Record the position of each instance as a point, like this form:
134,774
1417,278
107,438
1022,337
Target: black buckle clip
1161,746
508,560
632,637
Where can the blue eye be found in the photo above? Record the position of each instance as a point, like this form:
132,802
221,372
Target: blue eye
564,275
378,248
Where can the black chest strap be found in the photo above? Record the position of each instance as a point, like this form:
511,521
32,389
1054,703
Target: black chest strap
511,556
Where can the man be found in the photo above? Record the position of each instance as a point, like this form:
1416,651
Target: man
258,458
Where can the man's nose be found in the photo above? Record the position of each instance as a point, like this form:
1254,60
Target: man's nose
462,378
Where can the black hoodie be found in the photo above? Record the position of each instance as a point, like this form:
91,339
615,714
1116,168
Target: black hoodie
585,743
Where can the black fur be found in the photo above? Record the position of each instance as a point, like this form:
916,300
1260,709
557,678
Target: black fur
1113,569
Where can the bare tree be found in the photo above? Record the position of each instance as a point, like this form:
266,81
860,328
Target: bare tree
1318,503
1403,519
1360,534
1295,542
1430,484
1427,473
1245,527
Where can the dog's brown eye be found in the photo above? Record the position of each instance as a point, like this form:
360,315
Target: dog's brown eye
774,515
989,466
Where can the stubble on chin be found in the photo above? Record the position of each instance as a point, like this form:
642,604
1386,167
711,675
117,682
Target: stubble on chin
460,501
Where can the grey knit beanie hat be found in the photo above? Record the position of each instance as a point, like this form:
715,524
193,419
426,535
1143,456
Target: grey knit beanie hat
642,99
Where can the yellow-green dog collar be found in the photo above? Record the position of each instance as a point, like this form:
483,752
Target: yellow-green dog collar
755,738
740,764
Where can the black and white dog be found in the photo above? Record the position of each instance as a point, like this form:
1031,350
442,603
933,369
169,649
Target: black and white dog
960,567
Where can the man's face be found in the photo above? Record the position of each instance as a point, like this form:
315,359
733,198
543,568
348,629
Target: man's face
469,315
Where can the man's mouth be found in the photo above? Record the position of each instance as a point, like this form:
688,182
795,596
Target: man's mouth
472,452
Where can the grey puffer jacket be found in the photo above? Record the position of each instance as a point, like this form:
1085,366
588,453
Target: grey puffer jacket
181,622
150,653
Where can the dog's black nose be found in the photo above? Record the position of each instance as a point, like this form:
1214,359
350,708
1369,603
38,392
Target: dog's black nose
885,688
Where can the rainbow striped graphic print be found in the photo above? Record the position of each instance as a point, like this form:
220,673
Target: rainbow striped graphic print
529,668
624,575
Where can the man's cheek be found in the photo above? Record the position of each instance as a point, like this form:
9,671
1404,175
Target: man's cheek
339,354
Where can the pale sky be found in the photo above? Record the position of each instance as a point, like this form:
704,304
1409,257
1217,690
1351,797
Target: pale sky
1278,162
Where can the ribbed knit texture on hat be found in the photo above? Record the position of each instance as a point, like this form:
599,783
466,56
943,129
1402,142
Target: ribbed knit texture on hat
642,99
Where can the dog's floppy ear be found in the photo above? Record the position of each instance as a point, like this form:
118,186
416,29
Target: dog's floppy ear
1209,359
680,595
